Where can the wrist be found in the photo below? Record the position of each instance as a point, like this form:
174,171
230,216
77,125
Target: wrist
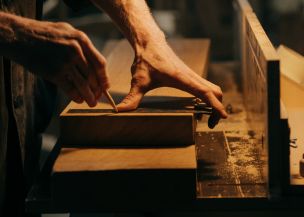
144,41
7,33
12,30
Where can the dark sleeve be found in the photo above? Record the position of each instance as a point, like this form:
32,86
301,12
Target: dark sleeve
77,5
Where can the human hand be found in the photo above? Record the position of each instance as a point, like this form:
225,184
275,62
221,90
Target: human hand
156,65
63,55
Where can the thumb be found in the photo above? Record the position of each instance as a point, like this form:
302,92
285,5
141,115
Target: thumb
131,101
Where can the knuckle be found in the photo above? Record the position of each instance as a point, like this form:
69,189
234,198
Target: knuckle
208,95
64,25
218,91
81,36
74,46
217,88
208,92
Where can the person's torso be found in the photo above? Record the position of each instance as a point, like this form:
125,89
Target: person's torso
20,92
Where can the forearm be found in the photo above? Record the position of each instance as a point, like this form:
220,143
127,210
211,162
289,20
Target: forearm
134,19
7,34
15,32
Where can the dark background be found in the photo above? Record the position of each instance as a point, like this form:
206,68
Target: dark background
283,21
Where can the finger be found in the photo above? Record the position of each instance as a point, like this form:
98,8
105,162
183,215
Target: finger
83,87
216,104
97,61
218,110
80,60
86,70
91,78
70,90
75,96
98,94
215,89
131,101
99,64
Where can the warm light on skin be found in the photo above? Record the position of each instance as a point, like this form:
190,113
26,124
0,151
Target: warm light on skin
155,63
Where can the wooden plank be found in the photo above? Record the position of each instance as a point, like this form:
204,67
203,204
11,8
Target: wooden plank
124,176
292,91
292,64
261,88
242,7
292,78
107,159
261,91
164,107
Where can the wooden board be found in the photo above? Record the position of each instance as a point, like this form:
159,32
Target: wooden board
164,120
292,91
292,64
242,7
262,95
292,78
261,88
124,176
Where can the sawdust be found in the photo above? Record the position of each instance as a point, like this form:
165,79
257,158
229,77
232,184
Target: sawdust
245,148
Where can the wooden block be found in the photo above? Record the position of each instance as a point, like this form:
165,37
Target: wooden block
124,176
161,119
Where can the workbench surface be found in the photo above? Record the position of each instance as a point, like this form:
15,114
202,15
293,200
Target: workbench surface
228,162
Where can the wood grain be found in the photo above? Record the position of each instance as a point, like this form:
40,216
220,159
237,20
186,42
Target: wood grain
125,175
261,91
160,125
261,88
107,159
242,7
235,172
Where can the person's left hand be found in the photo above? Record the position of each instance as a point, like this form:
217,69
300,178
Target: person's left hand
158,66
61,54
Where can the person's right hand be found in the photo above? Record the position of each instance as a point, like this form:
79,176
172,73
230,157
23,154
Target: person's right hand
156,65
63,55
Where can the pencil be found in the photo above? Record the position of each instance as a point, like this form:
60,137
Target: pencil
110,99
